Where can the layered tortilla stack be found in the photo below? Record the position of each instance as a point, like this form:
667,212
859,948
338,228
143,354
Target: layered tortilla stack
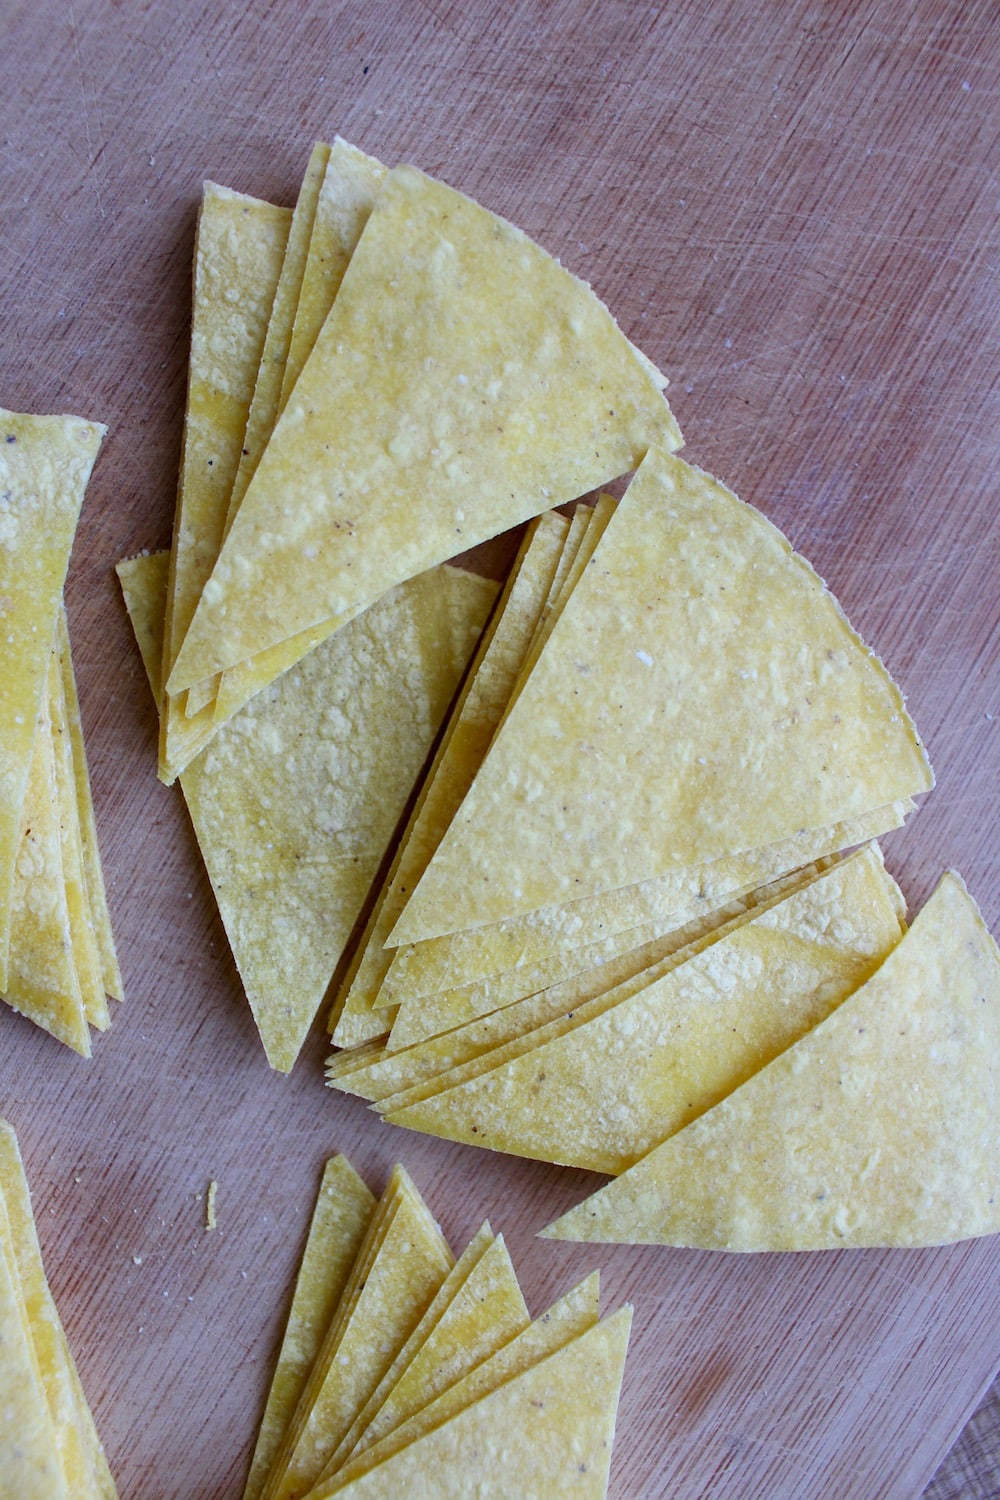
399,1362
57,953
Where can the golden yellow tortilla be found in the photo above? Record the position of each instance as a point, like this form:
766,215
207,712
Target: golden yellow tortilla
295,800
45,464
470,727
879,1127
601,1091
239,251
462,382
341,1216
391,1292
701,696
547,1431
81,1456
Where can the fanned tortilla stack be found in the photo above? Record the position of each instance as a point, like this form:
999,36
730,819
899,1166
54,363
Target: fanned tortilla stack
878,1127
400,1363
57,955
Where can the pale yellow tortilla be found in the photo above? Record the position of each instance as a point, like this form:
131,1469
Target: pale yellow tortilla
879,1127
45,464
478,1309
600,1092
86,958
343,1212
97,899
80,1452
701,696
294,802
43,983
415,1070
470,727
557,935
29,1459
239,251
462,382
572,1315
547,1431
398,1285
350,184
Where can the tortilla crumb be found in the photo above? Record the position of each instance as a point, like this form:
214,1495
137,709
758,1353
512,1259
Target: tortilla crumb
213,1188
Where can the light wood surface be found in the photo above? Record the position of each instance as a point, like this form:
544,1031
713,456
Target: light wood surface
792,209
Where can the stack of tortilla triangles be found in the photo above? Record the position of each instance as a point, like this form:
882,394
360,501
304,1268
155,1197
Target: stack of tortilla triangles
614,900
57,955
879,1127
403,1371
49,1447
380,380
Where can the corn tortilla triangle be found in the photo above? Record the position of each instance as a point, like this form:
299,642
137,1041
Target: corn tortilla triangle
97,899
547,1431
470,727
878,1128
45,463
349,186
43,983
387,1302
295,800
413,1071
570,1316
478,1309
611,1086
29,1459
239,249
559,936
80,1452
462,383
340,1220
86,958
701,695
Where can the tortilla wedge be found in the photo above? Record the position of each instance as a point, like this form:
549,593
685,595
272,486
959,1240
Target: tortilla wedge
470,727
878,1128
547,1431
81,1455
341,1216
702,695
239,249
404,396
291,857
602,1091
45,464
394,1280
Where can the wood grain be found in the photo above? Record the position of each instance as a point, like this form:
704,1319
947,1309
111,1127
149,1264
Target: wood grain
792,209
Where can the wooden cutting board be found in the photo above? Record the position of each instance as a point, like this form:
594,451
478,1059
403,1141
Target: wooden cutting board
792,209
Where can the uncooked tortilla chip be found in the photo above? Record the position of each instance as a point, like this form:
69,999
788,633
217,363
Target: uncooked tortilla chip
555,935
547,1431
295,800
477,1310
45,463
42,979
879,1127
29,1460
702,695
601,1092
572,1315
470,727
350,183
97,899
238,257
463,382
343,1212
81,1455
390,1295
